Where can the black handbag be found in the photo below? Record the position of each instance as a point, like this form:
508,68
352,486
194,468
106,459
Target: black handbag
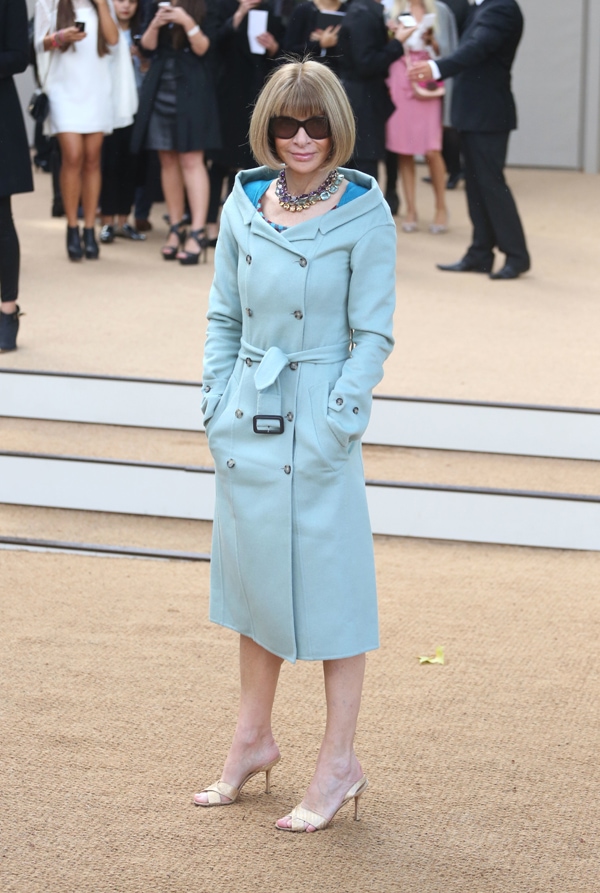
39,105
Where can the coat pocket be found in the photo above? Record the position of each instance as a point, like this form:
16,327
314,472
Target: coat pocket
332,452
228,398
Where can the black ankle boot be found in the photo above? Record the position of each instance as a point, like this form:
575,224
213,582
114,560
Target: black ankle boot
9,326
91,246
74,249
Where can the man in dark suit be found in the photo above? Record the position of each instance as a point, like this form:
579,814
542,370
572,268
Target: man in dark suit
483,110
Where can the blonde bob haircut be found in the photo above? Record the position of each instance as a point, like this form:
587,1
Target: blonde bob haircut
301,90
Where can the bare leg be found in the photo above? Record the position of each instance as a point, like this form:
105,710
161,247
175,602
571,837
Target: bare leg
408,175
337,766
253,743
197,186
91,179
71,150
437,169
172,184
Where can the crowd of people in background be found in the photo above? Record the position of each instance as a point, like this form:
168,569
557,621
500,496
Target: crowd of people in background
152,99
198,66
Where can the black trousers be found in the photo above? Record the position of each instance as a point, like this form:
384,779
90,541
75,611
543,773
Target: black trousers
492,208
9,253
119,173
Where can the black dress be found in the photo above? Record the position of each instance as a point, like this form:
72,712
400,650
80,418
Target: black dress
366,53
240,78
178,105
297,40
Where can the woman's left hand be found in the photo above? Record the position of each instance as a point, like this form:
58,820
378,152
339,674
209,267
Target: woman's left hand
267,41
178,16
326,37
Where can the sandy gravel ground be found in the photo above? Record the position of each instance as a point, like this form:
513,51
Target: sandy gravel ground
119,700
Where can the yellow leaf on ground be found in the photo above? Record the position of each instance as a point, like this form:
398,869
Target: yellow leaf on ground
437,659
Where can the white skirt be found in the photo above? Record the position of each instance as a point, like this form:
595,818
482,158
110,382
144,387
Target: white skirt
79,85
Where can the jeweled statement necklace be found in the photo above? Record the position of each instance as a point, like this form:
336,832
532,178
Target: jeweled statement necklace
301,202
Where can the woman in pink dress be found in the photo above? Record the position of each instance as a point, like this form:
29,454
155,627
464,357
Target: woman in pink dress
415,127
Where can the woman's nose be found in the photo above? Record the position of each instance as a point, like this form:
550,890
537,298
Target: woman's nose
302,138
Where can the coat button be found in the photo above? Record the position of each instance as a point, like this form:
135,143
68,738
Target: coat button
293,366
298,314
303,262
287,469
238,413
355,410
206,388
248,361
230,463
290,416
339,401
248,311
248,259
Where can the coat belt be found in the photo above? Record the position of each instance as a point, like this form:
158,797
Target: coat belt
274,360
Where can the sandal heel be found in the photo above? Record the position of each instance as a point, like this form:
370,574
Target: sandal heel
170,252
190,258
268,779
216,792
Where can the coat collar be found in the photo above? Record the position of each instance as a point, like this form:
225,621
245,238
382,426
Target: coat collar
305,229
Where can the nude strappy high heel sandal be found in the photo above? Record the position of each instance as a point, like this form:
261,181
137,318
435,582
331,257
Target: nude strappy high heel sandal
302,817
220,789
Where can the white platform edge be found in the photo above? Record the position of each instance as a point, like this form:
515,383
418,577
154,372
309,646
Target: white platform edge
408,510
426,424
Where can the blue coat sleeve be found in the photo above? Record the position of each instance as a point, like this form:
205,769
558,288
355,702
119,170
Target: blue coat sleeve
224,321
371,304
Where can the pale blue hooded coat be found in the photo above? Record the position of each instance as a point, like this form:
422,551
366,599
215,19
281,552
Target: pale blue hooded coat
300,324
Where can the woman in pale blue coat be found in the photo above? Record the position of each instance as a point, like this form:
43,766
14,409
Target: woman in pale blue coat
300,323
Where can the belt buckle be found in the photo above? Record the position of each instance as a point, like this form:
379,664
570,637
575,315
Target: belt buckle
267,418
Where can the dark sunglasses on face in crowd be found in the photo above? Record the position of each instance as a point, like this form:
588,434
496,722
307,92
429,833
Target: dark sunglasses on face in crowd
284,128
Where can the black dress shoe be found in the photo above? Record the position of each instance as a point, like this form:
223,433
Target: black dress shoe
127,231
453,180
91,246
107,234
74,249
465,266
507,272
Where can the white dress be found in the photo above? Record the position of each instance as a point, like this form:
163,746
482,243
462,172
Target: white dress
78,82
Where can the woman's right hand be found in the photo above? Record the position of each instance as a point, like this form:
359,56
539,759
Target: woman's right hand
72,35
161,17
242,11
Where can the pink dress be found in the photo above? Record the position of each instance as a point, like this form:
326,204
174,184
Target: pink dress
415,127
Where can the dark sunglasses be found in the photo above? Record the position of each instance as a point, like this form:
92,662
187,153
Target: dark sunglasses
284,128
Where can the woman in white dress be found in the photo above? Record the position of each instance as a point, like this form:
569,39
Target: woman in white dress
72,40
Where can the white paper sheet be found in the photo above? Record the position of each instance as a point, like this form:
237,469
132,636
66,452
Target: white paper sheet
257,24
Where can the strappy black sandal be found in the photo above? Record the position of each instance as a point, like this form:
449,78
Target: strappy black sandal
169,252
187,258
